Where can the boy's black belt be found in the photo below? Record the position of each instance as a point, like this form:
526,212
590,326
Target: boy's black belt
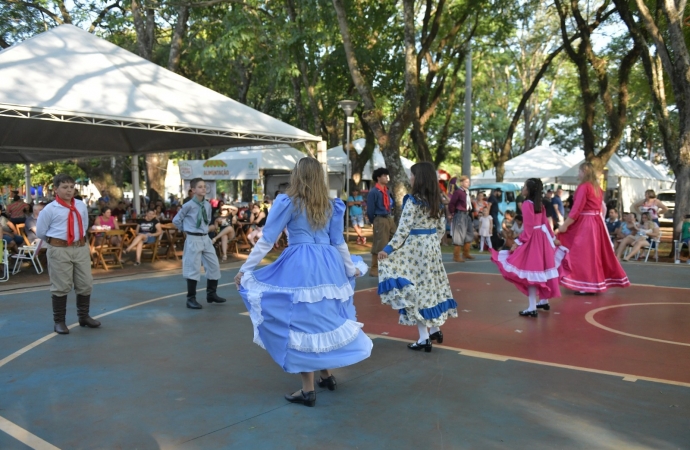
197,234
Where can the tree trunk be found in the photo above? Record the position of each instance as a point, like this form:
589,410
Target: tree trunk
246,190
178,38
107,179
388,140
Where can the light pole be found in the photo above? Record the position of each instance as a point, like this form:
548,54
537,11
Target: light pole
349,107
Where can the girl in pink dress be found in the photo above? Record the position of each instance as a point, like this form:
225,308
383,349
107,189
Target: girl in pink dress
536,261
595,267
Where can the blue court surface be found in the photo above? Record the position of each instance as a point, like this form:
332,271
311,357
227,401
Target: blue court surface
157,375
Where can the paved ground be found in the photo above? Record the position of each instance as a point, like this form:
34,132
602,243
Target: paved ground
157,375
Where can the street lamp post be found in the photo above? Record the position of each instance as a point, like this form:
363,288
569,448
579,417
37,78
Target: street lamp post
349,107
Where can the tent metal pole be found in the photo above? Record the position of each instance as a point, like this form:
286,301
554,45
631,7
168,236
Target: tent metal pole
135,184
467,147
322,156
27,179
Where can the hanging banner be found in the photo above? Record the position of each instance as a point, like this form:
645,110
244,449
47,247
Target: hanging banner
217,169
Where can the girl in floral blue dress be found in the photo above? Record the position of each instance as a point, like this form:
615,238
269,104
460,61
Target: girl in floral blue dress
412,278
301,305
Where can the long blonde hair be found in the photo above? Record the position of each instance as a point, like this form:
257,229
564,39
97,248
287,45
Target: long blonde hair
589,175
308,190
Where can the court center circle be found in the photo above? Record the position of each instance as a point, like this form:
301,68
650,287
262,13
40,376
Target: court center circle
589,317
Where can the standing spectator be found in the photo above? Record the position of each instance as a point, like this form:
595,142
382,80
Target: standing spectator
188,197
30,224
380,206
63,224
355,201
519,200
494,200
558,205
550,208
652,205
17,210
462,229
486,230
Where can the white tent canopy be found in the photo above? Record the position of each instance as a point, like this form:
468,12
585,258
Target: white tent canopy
337,160
631,177
67,93
271,158
540,162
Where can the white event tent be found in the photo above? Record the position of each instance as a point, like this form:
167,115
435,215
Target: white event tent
337,160
540,162
68,94
631,177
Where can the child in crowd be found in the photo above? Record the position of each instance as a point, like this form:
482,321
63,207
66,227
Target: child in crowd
193,219
486,229
507,229
517,226
536,262
356,214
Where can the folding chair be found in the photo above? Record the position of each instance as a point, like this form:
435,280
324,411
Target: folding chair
5,261
153,248
108,255
678,247
28,253
21,230
654,245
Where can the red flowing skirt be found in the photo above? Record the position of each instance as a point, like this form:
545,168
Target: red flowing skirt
594,266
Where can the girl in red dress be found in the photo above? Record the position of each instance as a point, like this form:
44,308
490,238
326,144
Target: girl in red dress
536,261
594,264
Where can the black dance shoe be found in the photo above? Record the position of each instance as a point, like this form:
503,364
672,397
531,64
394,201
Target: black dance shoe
529,313
584,293
438,337
329,382
544,306
305,398
426,346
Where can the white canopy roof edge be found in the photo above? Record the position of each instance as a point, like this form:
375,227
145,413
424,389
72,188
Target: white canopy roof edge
67,93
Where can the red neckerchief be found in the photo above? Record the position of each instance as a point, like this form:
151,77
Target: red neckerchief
70,220
386,198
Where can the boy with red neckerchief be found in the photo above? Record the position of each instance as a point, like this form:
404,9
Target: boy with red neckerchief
63,225
380,212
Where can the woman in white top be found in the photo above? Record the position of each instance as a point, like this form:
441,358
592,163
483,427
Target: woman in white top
651,205
648,230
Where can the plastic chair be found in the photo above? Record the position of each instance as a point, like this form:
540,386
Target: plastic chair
28,253
5,261
654,245
678,247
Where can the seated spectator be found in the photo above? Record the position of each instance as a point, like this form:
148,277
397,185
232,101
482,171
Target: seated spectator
106,221
685,233
507,229
160,213
628,226
17,210
518,226
226,231
120,211
612,223
147,233
30,224
257,222
647,231
12,238
217,210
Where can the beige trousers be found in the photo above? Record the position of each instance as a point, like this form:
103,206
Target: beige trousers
67,267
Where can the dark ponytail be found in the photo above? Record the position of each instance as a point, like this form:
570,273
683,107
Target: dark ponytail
534,193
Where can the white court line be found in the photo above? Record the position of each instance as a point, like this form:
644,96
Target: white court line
503,358
23,436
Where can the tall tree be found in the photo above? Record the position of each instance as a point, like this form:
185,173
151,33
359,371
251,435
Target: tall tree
614,98
663,29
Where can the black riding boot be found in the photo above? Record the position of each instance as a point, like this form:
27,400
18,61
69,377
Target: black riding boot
211,296
59,312
191,295
83,303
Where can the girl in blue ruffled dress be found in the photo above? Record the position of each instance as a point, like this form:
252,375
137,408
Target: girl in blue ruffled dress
412,278
301,305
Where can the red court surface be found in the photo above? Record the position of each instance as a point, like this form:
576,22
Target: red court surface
638,332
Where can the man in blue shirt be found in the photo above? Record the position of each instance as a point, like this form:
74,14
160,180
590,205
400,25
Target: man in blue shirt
380,213
558,205
355,201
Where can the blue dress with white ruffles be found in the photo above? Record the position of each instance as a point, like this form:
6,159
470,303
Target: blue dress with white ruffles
301,306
